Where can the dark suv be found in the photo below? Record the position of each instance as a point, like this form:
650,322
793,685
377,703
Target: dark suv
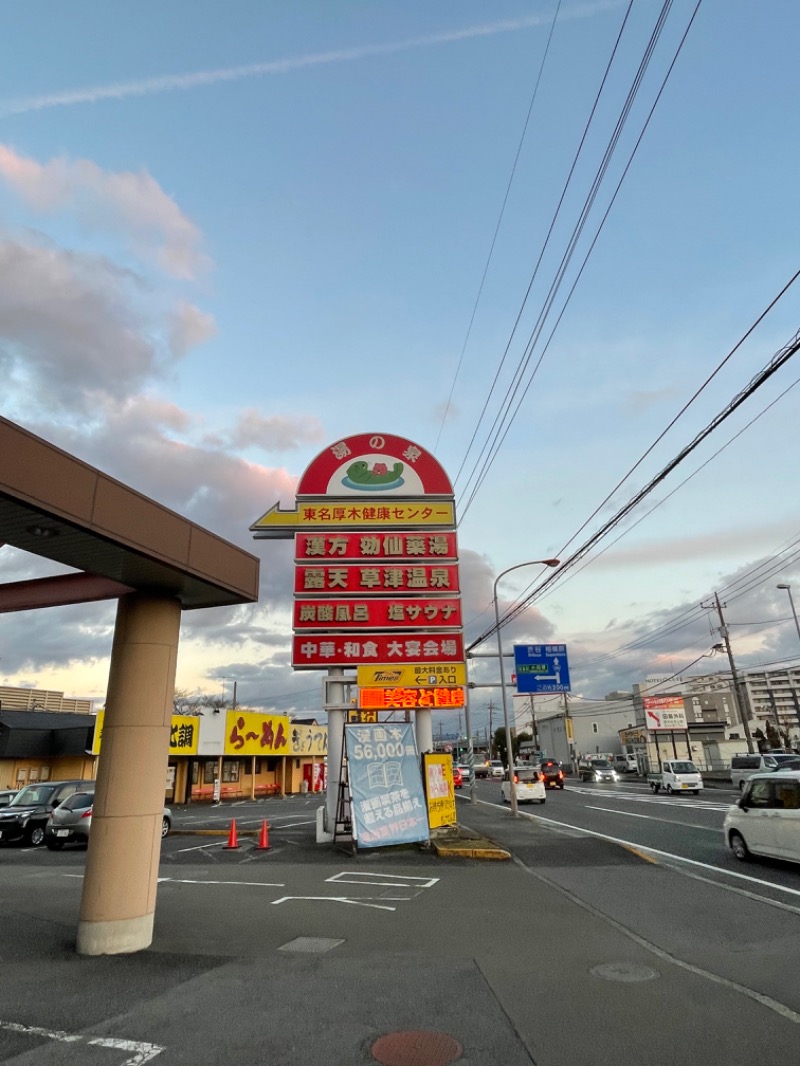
553,774
27,814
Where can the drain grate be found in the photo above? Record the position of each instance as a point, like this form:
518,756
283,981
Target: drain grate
311,945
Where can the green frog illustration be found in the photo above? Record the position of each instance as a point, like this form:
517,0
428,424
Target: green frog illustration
360,474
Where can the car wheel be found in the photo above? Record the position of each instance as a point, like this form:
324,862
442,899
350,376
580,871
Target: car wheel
738,847
653,787
695,791
561,785
669,790
35,835
165,824
543,800
54,845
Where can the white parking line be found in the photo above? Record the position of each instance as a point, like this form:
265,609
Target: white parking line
335,899
142,1052
199,881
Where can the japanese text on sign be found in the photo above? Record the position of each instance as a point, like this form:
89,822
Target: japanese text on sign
394,698
377,579
376,613
375,546
380,648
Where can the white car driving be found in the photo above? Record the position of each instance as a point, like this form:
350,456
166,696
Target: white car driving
528,784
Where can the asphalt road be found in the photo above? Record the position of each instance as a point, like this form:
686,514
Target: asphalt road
579,950
682,830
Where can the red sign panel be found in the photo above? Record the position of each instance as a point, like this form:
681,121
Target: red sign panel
376,613
384,699
374,463
361,546
353,649
376,579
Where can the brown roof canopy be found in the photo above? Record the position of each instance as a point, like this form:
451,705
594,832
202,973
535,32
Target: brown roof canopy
55,506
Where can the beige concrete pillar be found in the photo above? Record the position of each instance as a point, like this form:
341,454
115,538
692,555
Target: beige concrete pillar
119,886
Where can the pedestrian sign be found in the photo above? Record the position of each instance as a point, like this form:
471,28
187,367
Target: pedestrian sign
541,668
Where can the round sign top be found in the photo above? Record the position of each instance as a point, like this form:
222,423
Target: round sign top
374,464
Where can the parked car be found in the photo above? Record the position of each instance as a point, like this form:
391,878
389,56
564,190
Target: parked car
458,780
744,766
552,773
466,772
597,770
626,764
71,822
528,784
27,814
6,796
496,768
766,820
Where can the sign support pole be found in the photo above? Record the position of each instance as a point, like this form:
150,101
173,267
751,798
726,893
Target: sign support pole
335,696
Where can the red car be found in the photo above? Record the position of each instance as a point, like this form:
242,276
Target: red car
458,779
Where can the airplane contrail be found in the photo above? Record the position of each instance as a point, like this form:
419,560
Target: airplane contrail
93,94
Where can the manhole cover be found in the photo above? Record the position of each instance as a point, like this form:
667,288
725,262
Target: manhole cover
416,1047
311,944
627,972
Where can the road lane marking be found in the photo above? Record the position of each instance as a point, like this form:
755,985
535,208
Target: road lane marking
653,818
664,854
335,899
653,851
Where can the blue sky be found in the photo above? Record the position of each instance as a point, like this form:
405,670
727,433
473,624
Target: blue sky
230,235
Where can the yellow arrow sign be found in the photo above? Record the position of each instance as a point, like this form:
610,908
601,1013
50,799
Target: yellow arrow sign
355,514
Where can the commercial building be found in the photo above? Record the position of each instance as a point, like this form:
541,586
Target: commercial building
215,755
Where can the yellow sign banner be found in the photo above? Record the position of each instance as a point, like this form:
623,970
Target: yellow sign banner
249,733
309,739
440,792
374,514
184,733
416,675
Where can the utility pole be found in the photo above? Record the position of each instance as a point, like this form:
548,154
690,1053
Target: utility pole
491,732
744,713
570,735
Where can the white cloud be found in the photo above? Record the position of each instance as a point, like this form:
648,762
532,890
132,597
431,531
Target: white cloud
132,205
189,326
68,324
275,432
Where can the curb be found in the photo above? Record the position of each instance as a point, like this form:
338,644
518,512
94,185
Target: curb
463,850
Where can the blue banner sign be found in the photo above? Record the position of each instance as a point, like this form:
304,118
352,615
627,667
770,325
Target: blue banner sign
541,668
387,800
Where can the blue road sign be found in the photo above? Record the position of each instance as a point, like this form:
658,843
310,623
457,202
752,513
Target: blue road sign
541,668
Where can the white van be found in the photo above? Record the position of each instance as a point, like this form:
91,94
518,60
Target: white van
766,820
626,764
744,766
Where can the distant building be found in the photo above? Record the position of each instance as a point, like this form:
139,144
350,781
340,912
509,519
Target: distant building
586,727
40,699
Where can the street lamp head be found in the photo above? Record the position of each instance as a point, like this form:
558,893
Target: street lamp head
551,562
783,586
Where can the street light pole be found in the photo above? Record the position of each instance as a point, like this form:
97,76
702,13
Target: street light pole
509,748
791,603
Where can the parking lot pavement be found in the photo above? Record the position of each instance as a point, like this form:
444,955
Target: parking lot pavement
277,957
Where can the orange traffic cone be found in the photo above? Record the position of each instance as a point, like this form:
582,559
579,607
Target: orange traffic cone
233,840
263,840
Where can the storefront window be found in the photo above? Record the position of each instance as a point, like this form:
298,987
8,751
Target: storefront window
209,773
230,769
